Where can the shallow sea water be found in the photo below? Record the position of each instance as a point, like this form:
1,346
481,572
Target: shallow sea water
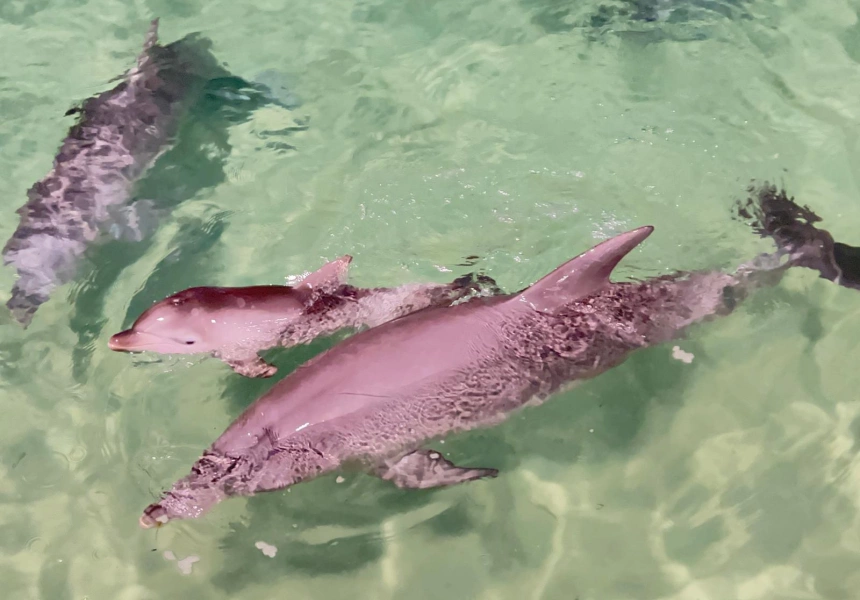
520,131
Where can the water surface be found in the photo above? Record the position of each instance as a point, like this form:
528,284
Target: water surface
520,131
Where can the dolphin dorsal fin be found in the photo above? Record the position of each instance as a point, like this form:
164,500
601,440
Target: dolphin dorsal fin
149,41
327,277
151,35
583,275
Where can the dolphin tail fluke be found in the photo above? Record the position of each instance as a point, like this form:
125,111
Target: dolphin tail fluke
584,275
848,260
773,214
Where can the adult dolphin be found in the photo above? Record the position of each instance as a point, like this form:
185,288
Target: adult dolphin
118,137
375,399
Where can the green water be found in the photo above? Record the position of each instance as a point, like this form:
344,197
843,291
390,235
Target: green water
521,131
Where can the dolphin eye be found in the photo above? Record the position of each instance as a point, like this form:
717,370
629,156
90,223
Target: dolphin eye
189,342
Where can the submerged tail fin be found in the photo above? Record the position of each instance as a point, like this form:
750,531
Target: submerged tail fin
772,213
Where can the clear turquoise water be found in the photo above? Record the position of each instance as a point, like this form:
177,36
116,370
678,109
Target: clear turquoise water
518,130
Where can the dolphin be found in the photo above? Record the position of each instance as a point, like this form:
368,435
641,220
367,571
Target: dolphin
118,136
375,400
235,323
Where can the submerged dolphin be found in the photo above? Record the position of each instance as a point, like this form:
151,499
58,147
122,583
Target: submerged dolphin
233,324
119,135
375,399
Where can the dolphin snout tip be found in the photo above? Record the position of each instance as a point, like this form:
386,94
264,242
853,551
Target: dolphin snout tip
147,522
118,341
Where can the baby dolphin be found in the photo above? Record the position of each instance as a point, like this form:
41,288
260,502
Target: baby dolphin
375,399
234,323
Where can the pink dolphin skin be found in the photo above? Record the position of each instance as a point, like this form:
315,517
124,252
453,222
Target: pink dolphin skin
376,398
235,323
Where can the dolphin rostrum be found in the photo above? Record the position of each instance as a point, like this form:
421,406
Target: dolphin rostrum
376,398
118,137
234,324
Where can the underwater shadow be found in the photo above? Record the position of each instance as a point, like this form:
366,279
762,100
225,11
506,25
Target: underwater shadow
652,20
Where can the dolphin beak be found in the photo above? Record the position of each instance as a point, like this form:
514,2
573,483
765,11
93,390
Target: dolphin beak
123,341
147,522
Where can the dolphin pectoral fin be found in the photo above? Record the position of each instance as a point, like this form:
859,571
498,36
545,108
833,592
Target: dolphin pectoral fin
233,93
251,367
428,469
133,222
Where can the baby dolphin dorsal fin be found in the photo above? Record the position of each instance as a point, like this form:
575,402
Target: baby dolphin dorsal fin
583,275
327,277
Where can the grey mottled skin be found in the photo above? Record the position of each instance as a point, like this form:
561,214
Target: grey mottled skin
349,307
234,324
376,398
119,135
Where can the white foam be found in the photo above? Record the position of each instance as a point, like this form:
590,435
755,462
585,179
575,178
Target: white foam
185,565
267,549
685,357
